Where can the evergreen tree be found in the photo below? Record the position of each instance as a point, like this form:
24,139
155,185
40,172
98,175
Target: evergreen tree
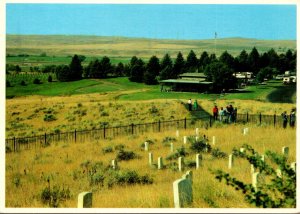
191,64
254,61
63,73
273,58
242,62
105,67
75,69
120,70
178,66
152,71
166,68
227,59
137,70
203,61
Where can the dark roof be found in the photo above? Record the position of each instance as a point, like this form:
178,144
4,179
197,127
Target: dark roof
202,82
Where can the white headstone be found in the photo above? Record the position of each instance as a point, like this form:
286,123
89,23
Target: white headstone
214,140
257,180
230,161
185,139
85,200
160,163
293,166
242,150
183,192
150,158
114,164
198,160
146,146
177,133
180,164
246,131
263,158
285,151
197,131
171,147
252,168
196,138
279,173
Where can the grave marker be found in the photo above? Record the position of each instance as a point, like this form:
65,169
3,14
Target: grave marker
146,146
185,139
171,147
114,164
230,161
293,166
198,160
160,163
246,131
252,169
177,133
150,158
285,151
85,200
188,175
214,140
197,131
180,163
279,173
242,150
257,180
183,192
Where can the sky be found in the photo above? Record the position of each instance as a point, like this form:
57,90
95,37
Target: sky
159,21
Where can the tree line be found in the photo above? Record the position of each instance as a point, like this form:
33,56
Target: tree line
218,70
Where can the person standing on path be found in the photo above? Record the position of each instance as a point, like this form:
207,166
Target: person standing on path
292,118
195,105
284,119
190,104
215,112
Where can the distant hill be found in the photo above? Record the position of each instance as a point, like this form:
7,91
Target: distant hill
61,45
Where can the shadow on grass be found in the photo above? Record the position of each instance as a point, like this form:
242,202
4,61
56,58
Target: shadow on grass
283,94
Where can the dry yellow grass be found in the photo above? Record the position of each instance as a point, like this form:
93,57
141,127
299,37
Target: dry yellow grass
60,160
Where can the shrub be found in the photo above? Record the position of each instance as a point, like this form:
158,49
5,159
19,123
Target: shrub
108,149
167,140
49,117
97,179
8,83
104,114
200,146
279,192
217,153
153,110
54,196
36,81
16,180
129,177
179,153
50,78
119,147
125,155
23,83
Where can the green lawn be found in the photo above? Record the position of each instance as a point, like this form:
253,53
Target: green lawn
273,91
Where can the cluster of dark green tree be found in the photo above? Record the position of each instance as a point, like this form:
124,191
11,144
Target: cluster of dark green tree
218,70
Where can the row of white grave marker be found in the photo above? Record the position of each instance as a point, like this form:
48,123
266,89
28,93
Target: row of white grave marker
180,161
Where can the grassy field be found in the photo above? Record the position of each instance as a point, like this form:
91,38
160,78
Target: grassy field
122,47
65,165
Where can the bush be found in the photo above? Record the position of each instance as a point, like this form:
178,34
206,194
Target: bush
119,147
108,149
54,196
23,83
104,114
49,117
129,177
179,153
153,110
36,81
97,179
125,155
200,146
167,140
50,78
8,83
217,153
276,192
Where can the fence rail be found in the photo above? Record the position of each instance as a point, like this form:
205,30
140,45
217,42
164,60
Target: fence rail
18,144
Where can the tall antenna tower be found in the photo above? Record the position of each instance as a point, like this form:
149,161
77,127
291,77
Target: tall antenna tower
215,43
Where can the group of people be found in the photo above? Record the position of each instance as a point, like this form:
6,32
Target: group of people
227,115
292,118
192,106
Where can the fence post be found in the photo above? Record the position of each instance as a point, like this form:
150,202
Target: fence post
274,120
159,125
185,123
75,135
247,117
45,138
210,120
132,128
259,118
14,144
104,132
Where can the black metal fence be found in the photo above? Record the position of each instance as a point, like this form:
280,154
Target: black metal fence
76,136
